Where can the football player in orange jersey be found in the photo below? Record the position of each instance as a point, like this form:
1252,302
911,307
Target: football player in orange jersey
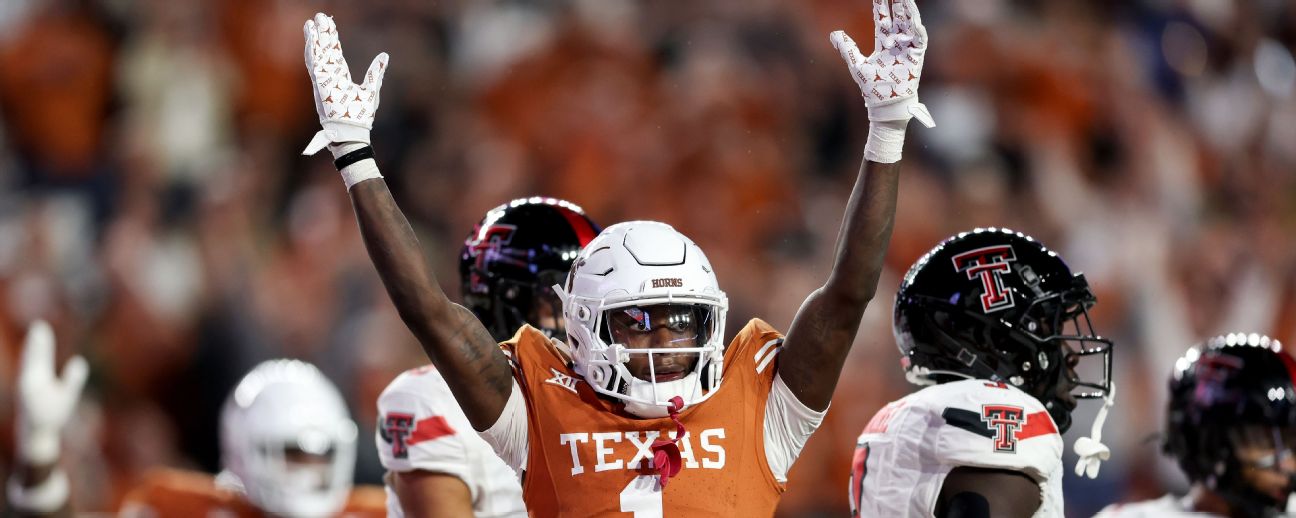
643,408
287,448
287,444
436,463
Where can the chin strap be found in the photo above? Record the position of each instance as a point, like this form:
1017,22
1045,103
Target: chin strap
1091,449
666,453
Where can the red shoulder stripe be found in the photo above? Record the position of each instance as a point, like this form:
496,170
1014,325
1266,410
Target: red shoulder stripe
430,429
1038,423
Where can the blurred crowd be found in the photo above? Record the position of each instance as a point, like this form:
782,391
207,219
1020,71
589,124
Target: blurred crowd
155,208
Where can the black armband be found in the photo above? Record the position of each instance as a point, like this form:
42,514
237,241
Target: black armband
353,157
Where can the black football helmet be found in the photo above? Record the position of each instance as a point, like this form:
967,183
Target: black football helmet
995,304
1232,383
515,255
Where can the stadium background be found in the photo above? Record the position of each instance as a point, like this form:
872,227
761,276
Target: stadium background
155,207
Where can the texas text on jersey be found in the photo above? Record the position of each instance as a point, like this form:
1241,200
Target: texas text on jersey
912,444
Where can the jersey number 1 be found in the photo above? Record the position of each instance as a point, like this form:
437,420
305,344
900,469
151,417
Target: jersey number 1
643,497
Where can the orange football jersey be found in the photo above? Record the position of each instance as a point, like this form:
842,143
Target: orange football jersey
169,492
588,457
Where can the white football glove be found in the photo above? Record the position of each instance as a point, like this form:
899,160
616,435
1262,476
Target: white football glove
346,110
888,78
45,401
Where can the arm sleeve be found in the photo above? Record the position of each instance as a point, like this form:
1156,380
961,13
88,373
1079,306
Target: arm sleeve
508,436
788,425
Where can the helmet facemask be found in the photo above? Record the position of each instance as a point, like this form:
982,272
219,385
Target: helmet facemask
305,476
514,303
1073,361
645,354
665,350
1255,468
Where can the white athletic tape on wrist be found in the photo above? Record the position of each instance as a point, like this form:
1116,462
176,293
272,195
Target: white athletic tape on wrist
46,497
360,171
885,141
38,446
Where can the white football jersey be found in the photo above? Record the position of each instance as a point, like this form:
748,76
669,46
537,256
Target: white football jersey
911,445
1168,506
420,427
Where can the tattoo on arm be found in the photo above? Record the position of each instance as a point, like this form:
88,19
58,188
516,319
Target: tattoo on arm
462,349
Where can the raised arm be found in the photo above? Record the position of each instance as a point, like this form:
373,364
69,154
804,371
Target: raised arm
825,326
38,486
473,365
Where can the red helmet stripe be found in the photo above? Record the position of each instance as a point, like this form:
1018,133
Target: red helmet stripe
584,231
1290,364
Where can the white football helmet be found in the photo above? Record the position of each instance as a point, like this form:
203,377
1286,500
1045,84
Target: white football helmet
288,440
636,269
